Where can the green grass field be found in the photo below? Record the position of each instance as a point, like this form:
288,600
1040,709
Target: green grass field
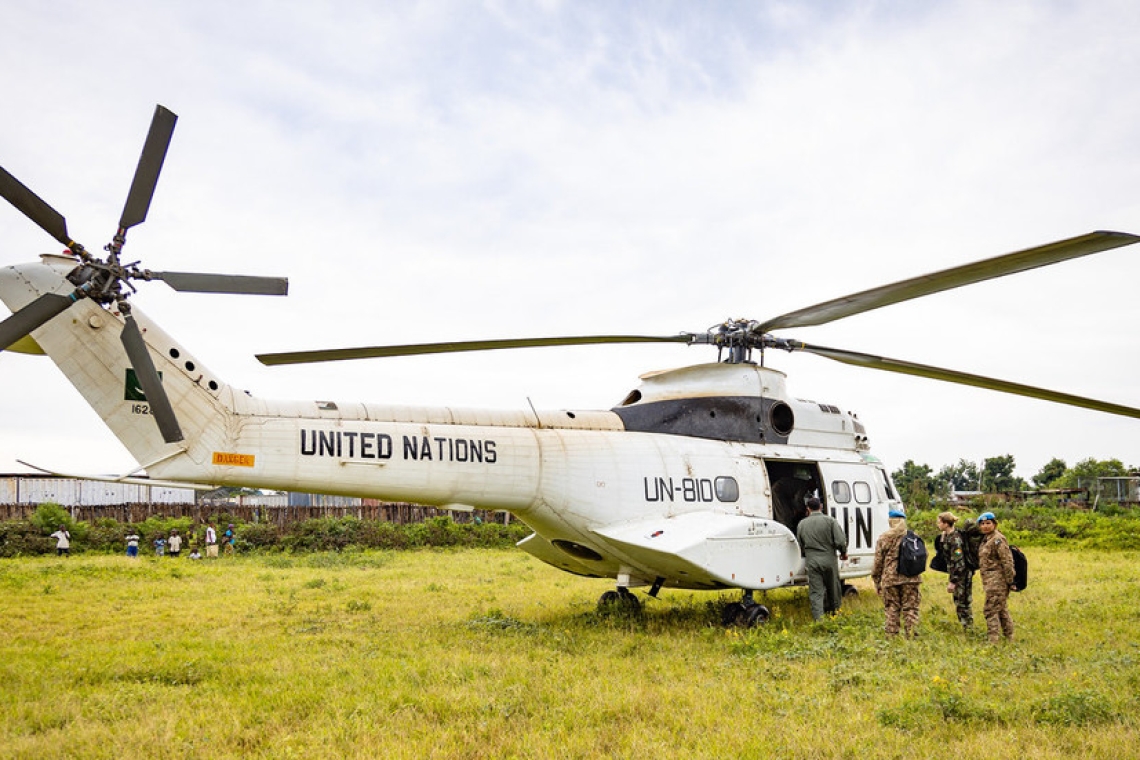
488,653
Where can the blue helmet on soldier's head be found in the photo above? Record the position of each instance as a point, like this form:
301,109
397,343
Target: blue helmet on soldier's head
987,516
896,513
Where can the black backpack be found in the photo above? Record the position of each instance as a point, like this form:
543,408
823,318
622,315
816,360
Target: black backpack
912,555
1020,569
971,540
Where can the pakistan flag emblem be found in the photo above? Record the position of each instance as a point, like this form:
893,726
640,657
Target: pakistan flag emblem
132,389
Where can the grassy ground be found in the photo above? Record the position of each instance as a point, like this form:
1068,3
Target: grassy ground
487,653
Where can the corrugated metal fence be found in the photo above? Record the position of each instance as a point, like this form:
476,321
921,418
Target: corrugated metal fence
16,489
90,500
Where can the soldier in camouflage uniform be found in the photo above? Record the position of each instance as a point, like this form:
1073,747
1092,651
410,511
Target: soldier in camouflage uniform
951,545
995,562
821,537
901,594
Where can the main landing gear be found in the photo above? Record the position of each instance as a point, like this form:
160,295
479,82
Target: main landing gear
746,613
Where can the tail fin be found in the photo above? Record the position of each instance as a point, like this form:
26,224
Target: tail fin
84,342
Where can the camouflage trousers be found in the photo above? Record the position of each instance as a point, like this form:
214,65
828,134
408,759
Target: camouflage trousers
998,620
963,597
902,601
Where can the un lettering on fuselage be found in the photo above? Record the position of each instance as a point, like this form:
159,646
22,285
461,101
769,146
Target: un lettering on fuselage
348,444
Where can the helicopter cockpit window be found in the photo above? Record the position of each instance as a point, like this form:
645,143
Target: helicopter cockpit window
841,491
727,489
862,492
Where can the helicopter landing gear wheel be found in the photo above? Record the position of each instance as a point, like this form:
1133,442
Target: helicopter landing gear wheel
732,614
621,600
745,615
849,591
756,615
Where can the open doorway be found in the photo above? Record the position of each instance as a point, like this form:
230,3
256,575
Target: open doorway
792,484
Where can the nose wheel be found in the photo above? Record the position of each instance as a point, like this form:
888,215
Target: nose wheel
619,600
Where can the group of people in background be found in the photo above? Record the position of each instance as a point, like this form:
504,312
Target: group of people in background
163,545
172,546
823,544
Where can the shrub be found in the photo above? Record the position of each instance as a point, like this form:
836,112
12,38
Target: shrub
48,517
258,536
19,538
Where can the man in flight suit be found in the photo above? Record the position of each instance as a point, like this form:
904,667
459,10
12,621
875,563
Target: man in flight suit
821,538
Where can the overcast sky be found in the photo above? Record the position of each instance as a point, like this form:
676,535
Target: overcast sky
453,171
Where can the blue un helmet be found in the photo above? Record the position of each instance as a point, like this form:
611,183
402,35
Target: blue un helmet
896,513
987,516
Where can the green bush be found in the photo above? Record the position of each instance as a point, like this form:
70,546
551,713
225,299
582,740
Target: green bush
257,536
20,538
48,517
1043,525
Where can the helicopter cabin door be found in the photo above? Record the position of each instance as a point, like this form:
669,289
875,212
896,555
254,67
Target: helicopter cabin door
791,484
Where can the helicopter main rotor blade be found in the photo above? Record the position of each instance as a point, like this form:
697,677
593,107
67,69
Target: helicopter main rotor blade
38,312
955,277
371,352
150,381
963,378
149,167
198,282
34,207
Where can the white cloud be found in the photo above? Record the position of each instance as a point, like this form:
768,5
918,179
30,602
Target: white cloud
426,172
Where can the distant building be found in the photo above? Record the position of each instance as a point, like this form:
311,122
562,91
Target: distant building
19,488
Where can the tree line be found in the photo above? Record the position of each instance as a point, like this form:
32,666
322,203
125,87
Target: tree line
919,483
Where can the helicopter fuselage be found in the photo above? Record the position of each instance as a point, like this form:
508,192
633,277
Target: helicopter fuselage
695,480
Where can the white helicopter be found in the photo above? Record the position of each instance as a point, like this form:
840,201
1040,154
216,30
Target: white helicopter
695,480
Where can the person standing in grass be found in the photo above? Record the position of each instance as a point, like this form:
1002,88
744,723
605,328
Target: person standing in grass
174,543
132,544
901,594
821,538
995,563
952,547
211,542
62,542
229,537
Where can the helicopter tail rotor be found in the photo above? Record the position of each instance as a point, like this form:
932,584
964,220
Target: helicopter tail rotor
149,379
150,165
108,282
38,312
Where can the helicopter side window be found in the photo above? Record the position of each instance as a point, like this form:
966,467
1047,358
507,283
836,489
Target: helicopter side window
841,491
862,492
727,489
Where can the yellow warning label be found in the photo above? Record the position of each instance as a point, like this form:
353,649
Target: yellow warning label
233,460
